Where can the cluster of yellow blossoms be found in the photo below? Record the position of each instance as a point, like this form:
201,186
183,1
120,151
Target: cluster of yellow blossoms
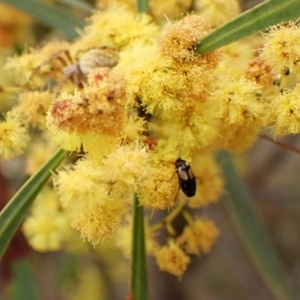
130,99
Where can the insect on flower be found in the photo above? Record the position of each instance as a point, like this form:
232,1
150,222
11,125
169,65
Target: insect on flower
80,66
187,181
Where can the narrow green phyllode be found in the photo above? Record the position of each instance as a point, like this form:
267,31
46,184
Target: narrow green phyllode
252,233
138,285
254,20
14,212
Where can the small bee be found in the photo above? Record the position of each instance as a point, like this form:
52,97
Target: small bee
187,181
92,59
80,66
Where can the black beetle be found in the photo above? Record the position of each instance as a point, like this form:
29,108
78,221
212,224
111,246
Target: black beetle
187,181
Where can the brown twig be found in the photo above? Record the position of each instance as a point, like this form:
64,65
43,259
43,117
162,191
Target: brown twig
281,144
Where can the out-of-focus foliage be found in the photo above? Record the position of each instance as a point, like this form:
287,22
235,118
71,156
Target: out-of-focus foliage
52,70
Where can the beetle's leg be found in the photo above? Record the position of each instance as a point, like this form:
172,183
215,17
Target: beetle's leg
177,193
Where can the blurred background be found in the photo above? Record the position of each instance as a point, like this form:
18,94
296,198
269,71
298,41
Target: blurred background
270,173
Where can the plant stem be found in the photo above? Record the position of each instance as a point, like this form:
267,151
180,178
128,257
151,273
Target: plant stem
281,144
138,284
170,217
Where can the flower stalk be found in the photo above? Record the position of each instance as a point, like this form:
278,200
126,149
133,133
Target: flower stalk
138,284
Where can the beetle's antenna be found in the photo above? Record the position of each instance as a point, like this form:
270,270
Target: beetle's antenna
180,150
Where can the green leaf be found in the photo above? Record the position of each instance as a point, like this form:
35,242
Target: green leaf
142,6
251,232
139,288
23,281
49,15
14,212
78,4
259,18
138,281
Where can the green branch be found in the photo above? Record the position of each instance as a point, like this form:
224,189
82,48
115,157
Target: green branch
138,285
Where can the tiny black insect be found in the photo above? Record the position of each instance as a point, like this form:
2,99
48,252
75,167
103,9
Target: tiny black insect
187,181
